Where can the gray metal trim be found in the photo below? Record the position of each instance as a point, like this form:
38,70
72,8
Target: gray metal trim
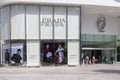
10,34
67,23
10,20
25,24
39,22
67,31
40,35
53,15
80,45
0,40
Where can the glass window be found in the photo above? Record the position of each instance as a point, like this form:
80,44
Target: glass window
32,22
6,54
17,22
73,23
83,37
5,23
90,37
46,22
98,38
60,23
107,38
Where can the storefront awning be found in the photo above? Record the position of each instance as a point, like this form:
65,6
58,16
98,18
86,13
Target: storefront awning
89,48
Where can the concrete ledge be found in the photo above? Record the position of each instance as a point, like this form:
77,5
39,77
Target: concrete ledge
72,65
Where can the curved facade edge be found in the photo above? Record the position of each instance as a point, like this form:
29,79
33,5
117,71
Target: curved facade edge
45,2
109,3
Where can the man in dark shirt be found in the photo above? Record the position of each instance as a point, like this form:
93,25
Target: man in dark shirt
112,60
7,57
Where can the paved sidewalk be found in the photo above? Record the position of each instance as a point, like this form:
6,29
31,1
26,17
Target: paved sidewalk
61,69
90,72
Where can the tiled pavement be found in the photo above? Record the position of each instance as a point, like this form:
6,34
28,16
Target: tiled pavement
90,72
61,69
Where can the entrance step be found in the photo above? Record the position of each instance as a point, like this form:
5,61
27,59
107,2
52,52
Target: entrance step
117,62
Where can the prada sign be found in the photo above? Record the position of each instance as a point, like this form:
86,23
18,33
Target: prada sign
48,22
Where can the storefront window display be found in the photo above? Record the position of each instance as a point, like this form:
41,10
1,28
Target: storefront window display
40,34
17,53
6,54
53,53
13,53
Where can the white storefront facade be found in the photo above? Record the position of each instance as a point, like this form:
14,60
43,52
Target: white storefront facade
37,29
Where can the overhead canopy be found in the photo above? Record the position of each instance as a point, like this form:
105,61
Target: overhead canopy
90,48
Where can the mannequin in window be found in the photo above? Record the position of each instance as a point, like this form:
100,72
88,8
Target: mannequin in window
60,52
48,53
16,57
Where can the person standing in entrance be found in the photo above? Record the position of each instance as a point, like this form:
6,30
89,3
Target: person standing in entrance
60,52
7,57
112,59
93,60
86,60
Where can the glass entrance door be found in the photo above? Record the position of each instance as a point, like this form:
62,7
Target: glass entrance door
118,54
102,55
97,54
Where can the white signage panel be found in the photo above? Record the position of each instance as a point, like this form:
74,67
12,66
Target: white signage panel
33,53
73,53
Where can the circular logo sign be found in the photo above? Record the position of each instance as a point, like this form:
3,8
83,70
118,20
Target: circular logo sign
101,23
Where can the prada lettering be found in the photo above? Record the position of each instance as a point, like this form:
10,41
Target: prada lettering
48,22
